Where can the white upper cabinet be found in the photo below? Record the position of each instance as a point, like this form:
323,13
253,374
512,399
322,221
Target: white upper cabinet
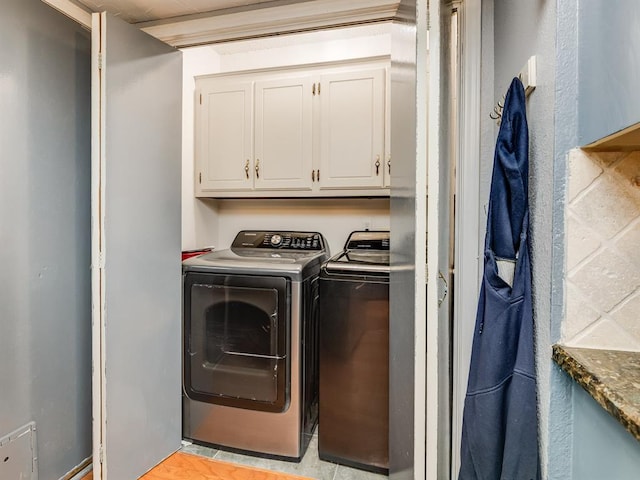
352,129
283,134
224,139
314,131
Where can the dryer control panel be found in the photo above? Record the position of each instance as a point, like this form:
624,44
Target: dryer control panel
312,241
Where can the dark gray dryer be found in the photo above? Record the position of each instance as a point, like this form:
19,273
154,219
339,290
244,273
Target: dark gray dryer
354,354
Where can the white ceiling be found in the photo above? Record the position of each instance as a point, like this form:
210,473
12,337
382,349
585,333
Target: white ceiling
185,23
136,11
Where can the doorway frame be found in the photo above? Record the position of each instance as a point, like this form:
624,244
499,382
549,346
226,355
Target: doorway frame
467,221
467,238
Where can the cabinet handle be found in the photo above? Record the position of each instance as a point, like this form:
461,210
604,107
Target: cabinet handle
246,169
314,89
313,175
318,174
389,164
257,168
377,165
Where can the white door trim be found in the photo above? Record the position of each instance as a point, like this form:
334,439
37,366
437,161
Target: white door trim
423,451
72,10
97,242
467,253
432,341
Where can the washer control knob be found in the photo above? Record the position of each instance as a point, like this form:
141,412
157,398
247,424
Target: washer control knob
276,240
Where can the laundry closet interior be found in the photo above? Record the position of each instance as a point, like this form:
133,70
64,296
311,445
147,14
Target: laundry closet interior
160,183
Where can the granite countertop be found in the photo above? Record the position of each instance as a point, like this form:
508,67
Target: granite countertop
611,377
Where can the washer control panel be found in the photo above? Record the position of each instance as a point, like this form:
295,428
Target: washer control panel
280,240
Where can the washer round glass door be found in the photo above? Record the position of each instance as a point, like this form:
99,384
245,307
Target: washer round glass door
236,340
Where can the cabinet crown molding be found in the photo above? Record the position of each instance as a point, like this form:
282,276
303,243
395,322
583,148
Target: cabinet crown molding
223,26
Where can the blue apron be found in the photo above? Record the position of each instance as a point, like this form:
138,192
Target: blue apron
500,426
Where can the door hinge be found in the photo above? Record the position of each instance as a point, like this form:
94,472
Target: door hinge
101,454
444,290
100,61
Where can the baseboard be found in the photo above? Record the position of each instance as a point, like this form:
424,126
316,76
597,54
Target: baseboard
80,471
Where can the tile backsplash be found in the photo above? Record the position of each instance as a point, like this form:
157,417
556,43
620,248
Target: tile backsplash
603,250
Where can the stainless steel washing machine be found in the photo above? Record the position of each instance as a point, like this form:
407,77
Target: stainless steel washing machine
250,343
354,354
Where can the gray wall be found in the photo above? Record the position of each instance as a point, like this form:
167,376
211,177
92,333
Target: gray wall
609,63
602,447
520,30
596,96
588,69
45,310
560,433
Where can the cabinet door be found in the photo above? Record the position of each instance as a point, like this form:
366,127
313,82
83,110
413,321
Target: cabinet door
387,131
135,223
352,129
224,135
283,134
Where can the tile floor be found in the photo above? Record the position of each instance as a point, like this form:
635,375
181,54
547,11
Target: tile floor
310,465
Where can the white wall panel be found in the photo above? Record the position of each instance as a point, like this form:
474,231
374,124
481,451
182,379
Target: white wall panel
334,218
408,230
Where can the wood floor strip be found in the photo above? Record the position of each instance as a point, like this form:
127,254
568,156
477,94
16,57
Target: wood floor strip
186,466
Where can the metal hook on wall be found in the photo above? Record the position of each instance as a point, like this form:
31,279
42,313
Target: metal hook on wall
497,111
527,76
